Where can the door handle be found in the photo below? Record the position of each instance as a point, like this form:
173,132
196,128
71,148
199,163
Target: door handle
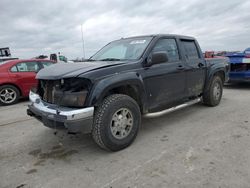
17,76
180,67
200,65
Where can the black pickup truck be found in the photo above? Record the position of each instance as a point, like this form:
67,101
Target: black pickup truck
107,95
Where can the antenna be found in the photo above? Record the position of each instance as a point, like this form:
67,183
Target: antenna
82,43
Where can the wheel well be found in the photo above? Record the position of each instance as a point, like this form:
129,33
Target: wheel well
129,90
221,74
20,91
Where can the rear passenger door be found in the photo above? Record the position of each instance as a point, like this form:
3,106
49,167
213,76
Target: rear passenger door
195,68
165,82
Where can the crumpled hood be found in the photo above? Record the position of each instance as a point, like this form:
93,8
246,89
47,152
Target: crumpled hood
64,70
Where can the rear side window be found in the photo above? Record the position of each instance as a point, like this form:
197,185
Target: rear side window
190,49
170,47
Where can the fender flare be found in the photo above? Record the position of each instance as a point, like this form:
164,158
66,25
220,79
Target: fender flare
103,86
211,74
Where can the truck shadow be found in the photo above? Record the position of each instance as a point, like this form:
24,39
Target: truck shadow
170,119
241,86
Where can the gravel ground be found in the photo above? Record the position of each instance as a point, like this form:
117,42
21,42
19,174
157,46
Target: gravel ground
197,146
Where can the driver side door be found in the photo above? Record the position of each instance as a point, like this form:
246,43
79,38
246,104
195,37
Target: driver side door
165,82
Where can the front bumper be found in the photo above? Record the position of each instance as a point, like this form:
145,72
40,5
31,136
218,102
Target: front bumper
57,117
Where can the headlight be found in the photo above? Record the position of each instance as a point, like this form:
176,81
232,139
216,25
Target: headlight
70,99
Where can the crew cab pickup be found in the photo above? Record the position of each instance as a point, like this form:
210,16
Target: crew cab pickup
127,79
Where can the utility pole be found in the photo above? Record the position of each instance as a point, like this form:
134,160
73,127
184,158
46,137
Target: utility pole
82,43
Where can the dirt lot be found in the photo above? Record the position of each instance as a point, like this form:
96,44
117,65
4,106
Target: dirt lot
194,147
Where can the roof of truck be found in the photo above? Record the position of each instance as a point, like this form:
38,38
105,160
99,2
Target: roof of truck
162,35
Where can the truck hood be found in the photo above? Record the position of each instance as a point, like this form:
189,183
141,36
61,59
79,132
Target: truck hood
66,70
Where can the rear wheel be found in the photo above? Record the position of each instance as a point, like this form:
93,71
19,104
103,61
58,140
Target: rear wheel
212,96
116,122
9,95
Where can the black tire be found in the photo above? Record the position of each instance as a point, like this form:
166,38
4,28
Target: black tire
212,96
103,122
15,96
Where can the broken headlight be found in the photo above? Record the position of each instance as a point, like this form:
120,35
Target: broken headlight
69,98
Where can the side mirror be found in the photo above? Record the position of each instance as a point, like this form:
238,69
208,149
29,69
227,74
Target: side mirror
156,58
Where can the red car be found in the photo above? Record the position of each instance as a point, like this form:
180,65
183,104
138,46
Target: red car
17,77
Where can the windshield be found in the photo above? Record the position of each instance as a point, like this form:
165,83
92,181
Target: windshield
124,49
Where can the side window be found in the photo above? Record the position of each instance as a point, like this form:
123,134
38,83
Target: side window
191,49
14,69
27,67
170,47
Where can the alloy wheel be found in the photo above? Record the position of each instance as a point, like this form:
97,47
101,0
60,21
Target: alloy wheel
7,95
121,123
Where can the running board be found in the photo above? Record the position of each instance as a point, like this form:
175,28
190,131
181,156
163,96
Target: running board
163,112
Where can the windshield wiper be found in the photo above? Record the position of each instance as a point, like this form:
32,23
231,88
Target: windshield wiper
90,60
110,59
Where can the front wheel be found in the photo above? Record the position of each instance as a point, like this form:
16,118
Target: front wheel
212,96
116,122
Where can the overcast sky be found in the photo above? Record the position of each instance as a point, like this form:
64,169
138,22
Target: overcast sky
31,27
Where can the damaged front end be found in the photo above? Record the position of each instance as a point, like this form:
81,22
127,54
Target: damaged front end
60,104
70,92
